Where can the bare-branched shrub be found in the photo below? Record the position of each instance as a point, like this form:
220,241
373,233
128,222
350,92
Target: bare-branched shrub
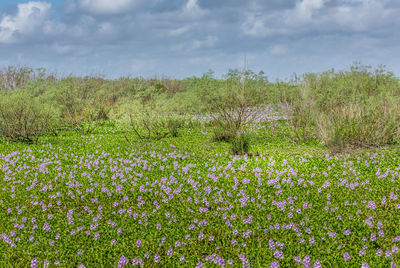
147,125
149,122
232,104
23,118
13,77
81,106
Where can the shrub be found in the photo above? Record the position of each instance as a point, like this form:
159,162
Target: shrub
13,77
357,125
222,131
24,118
356,108
173,125
148,125
81,108
232,103
241,143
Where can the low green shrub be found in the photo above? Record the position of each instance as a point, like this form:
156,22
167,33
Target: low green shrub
241,143
24,118
356,108
174,124
222,131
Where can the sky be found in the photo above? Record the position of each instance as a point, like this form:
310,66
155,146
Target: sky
183,38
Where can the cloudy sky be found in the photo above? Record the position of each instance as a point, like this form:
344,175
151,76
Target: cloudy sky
180,38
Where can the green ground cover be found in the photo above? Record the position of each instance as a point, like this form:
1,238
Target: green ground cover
108,199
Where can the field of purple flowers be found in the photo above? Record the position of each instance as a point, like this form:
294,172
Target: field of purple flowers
97,201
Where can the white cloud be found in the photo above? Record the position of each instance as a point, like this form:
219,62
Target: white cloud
192,10
365,16
105,7
277,49
306,8
262,25
29,18
208,42
180,30
320,15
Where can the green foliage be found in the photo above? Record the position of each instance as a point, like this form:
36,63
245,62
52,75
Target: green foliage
147,125
241,143
230,104
23,117
347,109
82,107
174,124
14,77
101,164
222,131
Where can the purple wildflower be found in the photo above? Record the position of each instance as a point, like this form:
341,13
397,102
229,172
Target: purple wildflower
271,244
307,261
317,264
170,252
278,254
46,227
274,264
199,265
34,263
373,237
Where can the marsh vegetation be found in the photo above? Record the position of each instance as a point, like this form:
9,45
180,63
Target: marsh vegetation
202,171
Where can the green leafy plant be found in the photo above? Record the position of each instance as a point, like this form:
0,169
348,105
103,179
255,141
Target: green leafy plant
80,108
24,118
347,109
174,124
222,131
241,143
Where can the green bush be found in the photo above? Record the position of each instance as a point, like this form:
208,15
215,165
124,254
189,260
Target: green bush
241,143
24,118
347,109
173,125
223,131
343,109
81,107
13,77
229,103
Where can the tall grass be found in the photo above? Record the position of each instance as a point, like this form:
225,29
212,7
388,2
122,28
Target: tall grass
347,109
